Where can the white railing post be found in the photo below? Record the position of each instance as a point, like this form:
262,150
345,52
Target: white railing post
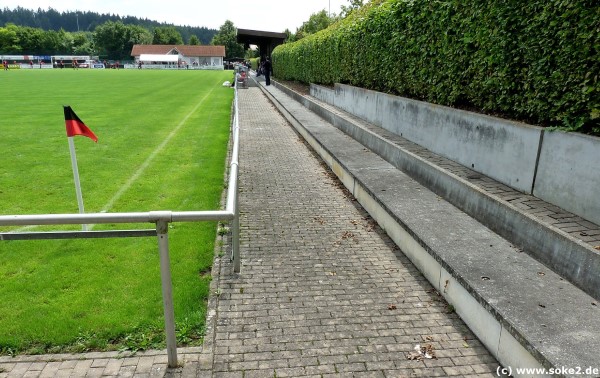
235,233
234,172
162,229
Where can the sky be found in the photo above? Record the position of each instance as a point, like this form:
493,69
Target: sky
265,15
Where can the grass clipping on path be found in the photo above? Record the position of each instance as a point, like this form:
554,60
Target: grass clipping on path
105,294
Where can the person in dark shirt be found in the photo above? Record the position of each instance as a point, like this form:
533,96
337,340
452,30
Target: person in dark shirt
268,70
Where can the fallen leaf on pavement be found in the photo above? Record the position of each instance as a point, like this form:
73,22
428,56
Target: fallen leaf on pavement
347,235
422,352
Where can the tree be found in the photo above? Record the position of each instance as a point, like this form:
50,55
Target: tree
30,39
83,43
290,37
316,22
136,35
354,4
50,43
321,20
65,42
9,41
115,39
166,35
251,53
194,41
110,38
227,36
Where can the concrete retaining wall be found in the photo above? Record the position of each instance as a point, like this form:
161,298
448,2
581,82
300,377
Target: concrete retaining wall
556,167
568,173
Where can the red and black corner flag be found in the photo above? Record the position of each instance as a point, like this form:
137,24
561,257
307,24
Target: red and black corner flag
75,126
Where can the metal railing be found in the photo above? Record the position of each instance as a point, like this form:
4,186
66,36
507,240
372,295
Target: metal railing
160,218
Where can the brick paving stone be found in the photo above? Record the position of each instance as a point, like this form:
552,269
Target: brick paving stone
37,366
237,374
161,359
81,367
94,372
63,374
144,365
321,283
131,361
50,369
112,367
31,374
126,371
190,370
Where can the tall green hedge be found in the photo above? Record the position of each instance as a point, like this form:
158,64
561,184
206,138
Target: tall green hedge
537,60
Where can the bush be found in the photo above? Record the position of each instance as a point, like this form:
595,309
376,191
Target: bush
535,61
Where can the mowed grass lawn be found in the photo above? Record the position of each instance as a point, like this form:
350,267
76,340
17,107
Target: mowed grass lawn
162,146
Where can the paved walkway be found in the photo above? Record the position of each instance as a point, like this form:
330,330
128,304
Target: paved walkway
323,291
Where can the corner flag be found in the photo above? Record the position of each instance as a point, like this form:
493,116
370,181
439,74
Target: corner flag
75,126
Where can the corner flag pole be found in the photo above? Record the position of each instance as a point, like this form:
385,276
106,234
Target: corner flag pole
75,126
76,179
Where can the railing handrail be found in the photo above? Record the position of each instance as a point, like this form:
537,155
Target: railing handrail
102,218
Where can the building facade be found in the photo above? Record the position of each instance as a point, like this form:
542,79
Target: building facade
179,56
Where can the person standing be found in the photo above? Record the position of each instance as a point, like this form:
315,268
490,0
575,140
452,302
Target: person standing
268,70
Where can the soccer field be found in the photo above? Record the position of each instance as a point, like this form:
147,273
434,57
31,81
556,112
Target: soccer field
162,144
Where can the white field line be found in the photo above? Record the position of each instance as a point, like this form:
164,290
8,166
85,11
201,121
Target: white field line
149,159
142,167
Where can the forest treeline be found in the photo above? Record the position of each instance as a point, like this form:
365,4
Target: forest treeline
86,23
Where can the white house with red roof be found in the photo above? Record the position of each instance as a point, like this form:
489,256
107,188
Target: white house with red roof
179,56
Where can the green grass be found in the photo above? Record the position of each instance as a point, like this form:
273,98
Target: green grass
104,294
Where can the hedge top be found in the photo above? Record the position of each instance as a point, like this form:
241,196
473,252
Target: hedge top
535,61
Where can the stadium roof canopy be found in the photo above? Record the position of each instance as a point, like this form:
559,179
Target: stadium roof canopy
265,40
